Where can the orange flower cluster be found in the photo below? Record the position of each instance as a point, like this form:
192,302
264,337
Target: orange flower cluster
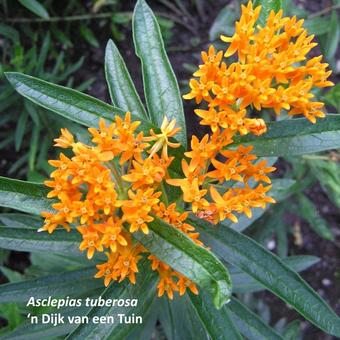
111,189
272,72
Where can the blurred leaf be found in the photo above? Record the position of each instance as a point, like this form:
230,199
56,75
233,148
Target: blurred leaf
35,7
267,7
33,147
224,22
182,254
317,25
330,44
332,97
292,330
11,275
43,54
20,130
249,323
269,270
11,312
282,241
217,323
160,85
308,211
295,137
122,90
9,32
88,35
328,174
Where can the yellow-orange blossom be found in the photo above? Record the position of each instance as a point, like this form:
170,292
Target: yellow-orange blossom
112,188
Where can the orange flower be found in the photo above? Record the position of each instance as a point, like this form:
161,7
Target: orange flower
144,174
65,140
162,139
91,241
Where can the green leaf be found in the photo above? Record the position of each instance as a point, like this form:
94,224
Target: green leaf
267,7
250,325
328,174
66,102
9,32
24,196
217,323
88,35
332,97
25,239
33,147
179,320
35,7
144,290
28,331
147,328
292,330
331,42
318,25
269,270
160,85
296,137
308,211
224,22
122,90
181,253
244,283
70,283
20,130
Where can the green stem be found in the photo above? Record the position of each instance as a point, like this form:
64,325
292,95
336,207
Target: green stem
314,157
117,177
165,196
323,11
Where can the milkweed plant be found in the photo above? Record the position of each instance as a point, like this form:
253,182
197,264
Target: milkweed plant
156,216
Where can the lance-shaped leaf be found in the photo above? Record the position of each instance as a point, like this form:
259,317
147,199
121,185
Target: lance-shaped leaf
25,239
69,103
24,196
181,253
160,85
179,320
267,7
270,271
243,283
29,331
122,90
71,283
296,137
144,290
217,323
249,324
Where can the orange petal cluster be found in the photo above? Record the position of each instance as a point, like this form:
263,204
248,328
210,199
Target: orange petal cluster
111,189
272,71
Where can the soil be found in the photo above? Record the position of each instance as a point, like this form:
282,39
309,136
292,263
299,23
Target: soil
324,276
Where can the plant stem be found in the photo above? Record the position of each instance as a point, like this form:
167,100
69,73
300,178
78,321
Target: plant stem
323,11
94,17
165,196
117,177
